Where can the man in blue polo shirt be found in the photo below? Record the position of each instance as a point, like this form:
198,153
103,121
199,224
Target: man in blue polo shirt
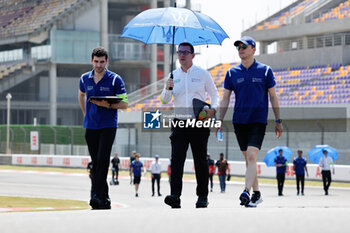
299,167
100,121
252,83
136,166
281,165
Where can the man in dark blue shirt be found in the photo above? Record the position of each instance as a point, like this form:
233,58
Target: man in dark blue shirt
281,165
136,170
299,167
100,121
252,82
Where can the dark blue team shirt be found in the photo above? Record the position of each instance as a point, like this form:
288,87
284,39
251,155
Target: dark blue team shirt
110,85
251,92
280,160
299,164
136,166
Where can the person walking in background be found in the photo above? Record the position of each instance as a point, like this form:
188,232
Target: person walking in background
299,167
136,170
281,165
325,163
222,167
100,121
132,158
189,82
211,168
156,174
253,83
115,168
169,171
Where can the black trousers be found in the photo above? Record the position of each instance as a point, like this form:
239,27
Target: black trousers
115,173
211,181
100,143
300,179
156,177
181,138
327,179
280,182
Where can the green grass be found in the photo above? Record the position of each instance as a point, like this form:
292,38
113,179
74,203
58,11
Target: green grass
40,204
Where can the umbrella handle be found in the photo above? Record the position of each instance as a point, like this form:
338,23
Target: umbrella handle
172,55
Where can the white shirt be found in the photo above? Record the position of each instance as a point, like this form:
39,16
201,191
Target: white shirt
155,168
326,163
195,83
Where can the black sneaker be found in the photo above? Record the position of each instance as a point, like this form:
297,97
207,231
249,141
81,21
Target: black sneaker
202,202
95,202
105,204
173,201
98,204
244,198
255,200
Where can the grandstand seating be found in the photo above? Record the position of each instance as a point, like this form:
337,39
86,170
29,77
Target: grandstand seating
9,69
339,12
26,18
329,84
284,17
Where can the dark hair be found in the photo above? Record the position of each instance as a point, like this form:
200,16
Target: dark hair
99,52
187,44
221,154
280,150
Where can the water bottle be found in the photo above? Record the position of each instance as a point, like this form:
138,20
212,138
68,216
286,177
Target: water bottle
220,135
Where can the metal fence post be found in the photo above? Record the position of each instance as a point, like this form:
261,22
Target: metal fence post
72,140
24,139
54,139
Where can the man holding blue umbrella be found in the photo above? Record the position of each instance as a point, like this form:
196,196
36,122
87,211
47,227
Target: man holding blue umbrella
189,82
325,163
281,165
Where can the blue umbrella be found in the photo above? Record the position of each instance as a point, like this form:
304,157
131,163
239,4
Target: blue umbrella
316,153
157,26
273,153
173,25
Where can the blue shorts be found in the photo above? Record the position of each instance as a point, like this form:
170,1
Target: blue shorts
249,135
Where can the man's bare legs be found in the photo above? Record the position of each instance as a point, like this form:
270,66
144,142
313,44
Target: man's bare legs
251,178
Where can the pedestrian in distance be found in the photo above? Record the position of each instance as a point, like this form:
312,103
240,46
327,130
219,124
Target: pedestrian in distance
211,168
156,170
281,165
115,169
136,171
299,167
253,84
132,158
222,166
325,163
100,121
189,82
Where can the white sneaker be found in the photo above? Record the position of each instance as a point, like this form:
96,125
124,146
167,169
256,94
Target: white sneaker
255,200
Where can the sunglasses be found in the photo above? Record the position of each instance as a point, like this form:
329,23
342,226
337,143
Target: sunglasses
183,52
243,46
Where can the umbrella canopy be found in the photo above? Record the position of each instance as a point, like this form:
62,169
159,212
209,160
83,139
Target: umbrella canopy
316,153
157,26
273,153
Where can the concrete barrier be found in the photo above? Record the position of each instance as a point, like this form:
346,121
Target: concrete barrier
342,172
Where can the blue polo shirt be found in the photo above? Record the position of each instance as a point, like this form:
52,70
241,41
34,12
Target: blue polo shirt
136,166
110,85
299,165
251,92
280,160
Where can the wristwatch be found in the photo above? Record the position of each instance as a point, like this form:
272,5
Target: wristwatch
278,121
